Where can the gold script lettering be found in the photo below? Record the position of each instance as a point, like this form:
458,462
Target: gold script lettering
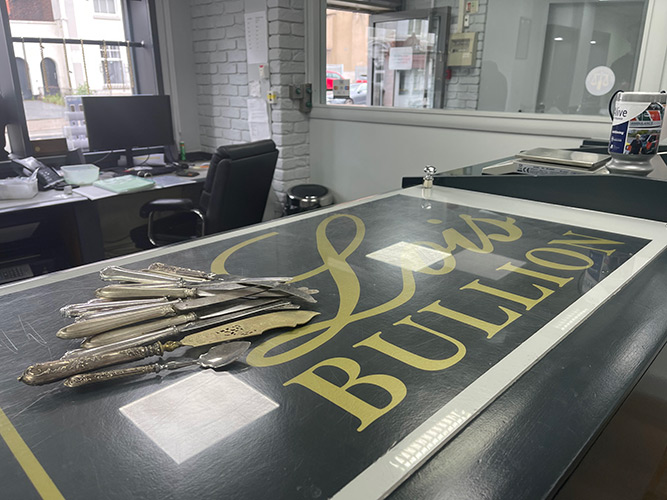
218,265
349,291
535,274
490,328
340,396
584,243
530,255
455,239
528,303
409,358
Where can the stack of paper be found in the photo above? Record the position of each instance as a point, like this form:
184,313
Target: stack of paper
125,184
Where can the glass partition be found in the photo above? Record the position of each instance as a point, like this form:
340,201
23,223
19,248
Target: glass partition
544,56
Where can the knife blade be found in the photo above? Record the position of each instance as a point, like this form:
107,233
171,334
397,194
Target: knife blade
248,327
303,293
171,331
50,371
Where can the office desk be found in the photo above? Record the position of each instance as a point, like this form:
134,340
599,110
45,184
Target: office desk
45,233
84,227
119,213
379,316
41,199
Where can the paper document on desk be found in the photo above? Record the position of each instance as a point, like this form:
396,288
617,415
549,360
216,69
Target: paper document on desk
125,184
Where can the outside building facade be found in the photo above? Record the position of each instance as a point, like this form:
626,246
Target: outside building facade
51,72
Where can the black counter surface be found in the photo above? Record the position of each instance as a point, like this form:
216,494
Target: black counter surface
77,444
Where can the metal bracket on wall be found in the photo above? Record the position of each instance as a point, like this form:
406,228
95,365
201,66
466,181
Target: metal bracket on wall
304,94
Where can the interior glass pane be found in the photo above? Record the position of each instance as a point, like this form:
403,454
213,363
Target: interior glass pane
530,56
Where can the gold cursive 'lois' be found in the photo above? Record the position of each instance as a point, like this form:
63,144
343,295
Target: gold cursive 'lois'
347,282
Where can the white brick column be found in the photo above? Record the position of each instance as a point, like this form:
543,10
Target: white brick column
462,89
290,127
222,81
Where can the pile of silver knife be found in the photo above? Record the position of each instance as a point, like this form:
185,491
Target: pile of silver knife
147,312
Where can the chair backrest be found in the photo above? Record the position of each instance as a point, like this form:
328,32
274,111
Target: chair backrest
237,185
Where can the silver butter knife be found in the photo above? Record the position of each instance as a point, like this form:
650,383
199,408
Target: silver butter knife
170,331
201,316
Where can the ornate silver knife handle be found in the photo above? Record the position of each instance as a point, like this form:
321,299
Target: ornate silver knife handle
84,328
44,373
93,378
132,291
180,271
117,273
136,331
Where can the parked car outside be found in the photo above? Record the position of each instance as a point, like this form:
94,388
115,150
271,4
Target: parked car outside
331,76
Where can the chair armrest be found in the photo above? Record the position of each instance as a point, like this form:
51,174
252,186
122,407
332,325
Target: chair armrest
171,204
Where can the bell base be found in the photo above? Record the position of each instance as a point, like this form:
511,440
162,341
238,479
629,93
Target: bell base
630,167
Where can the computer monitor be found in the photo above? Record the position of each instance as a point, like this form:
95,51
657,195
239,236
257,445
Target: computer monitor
126,122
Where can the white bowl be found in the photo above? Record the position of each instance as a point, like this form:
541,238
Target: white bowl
80,174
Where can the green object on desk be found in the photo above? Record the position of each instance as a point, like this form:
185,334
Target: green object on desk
125,184
182,151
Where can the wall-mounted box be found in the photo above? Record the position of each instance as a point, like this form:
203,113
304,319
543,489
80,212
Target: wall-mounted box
462,49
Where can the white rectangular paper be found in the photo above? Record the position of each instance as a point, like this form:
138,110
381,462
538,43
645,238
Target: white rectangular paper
258,119
341,88
259,131
254,88
197,412
257,111
400,58
257,44
408,256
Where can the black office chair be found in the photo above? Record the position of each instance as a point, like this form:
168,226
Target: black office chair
235,193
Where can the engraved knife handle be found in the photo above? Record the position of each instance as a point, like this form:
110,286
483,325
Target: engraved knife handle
93,326
141,340
117,273
105,305
135,331
95,377
44,373
143,291
180,271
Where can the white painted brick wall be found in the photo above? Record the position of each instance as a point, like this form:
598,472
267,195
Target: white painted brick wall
290,127
462,89
222,81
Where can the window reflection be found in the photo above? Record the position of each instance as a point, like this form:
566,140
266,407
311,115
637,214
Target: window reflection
514,56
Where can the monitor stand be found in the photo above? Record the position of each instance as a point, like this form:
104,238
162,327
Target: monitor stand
170,154
126,161
169,157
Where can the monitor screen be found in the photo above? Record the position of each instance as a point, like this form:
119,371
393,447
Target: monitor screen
126,122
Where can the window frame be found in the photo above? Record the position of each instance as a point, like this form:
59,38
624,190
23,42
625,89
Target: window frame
651,77
105,14
140,24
